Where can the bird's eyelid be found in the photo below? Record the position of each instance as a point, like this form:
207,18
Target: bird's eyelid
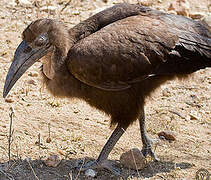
41,40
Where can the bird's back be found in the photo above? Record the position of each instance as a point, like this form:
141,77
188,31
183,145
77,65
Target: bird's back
133,48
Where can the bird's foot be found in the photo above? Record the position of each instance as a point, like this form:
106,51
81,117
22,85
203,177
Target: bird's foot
103,164
147,149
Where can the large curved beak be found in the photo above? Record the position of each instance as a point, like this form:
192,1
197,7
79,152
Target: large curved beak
24,58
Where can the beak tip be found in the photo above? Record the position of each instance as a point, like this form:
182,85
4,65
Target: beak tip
5,92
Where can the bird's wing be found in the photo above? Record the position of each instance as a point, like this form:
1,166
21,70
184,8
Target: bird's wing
133,49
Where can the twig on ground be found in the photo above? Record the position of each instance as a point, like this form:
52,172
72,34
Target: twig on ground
133,156
177,113
71,175
48,140
54,172
28,160
10,132
65,6
39,143
161,177
135,163
9,167
7,175
80,169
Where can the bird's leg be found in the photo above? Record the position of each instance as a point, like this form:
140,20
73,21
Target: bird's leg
147,142
102,161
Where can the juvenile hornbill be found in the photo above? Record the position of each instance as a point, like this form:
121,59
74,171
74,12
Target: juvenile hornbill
113,60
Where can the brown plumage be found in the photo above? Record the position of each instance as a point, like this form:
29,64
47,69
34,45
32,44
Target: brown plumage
113,61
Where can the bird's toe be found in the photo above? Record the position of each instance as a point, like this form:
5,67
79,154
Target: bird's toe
148,151
105,164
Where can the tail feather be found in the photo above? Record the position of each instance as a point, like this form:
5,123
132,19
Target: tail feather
187,60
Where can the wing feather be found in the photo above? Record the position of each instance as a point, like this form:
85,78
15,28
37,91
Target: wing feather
135,48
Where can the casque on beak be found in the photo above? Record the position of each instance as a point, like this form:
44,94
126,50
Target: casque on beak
24,57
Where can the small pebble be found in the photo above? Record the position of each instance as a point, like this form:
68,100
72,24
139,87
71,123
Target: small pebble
52,161
90,173
197,15
193,116
48,140
9,100
167,135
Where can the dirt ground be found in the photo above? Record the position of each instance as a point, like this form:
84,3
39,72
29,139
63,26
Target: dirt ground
77,130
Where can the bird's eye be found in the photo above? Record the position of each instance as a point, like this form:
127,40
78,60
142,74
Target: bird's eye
40,41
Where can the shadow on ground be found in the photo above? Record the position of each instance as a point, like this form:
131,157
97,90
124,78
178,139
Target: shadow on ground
36,169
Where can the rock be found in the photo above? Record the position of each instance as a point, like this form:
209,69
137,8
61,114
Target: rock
48,140
133,159
90,173
33,74
25,3
52,161
167,135
207,20
193,115
181,7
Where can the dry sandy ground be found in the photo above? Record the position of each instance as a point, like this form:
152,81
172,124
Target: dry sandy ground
77,130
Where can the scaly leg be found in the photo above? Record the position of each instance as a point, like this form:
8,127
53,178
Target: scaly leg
102,161
147,142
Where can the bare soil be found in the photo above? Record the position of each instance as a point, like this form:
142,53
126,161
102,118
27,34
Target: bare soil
77,130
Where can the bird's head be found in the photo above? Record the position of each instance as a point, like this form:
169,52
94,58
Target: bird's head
40,38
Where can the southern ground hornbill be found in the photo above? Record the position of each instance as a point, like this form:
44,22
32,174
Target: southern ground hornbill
113,60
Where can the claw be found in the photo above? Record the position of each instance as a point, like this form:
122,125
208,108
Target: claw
147,149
